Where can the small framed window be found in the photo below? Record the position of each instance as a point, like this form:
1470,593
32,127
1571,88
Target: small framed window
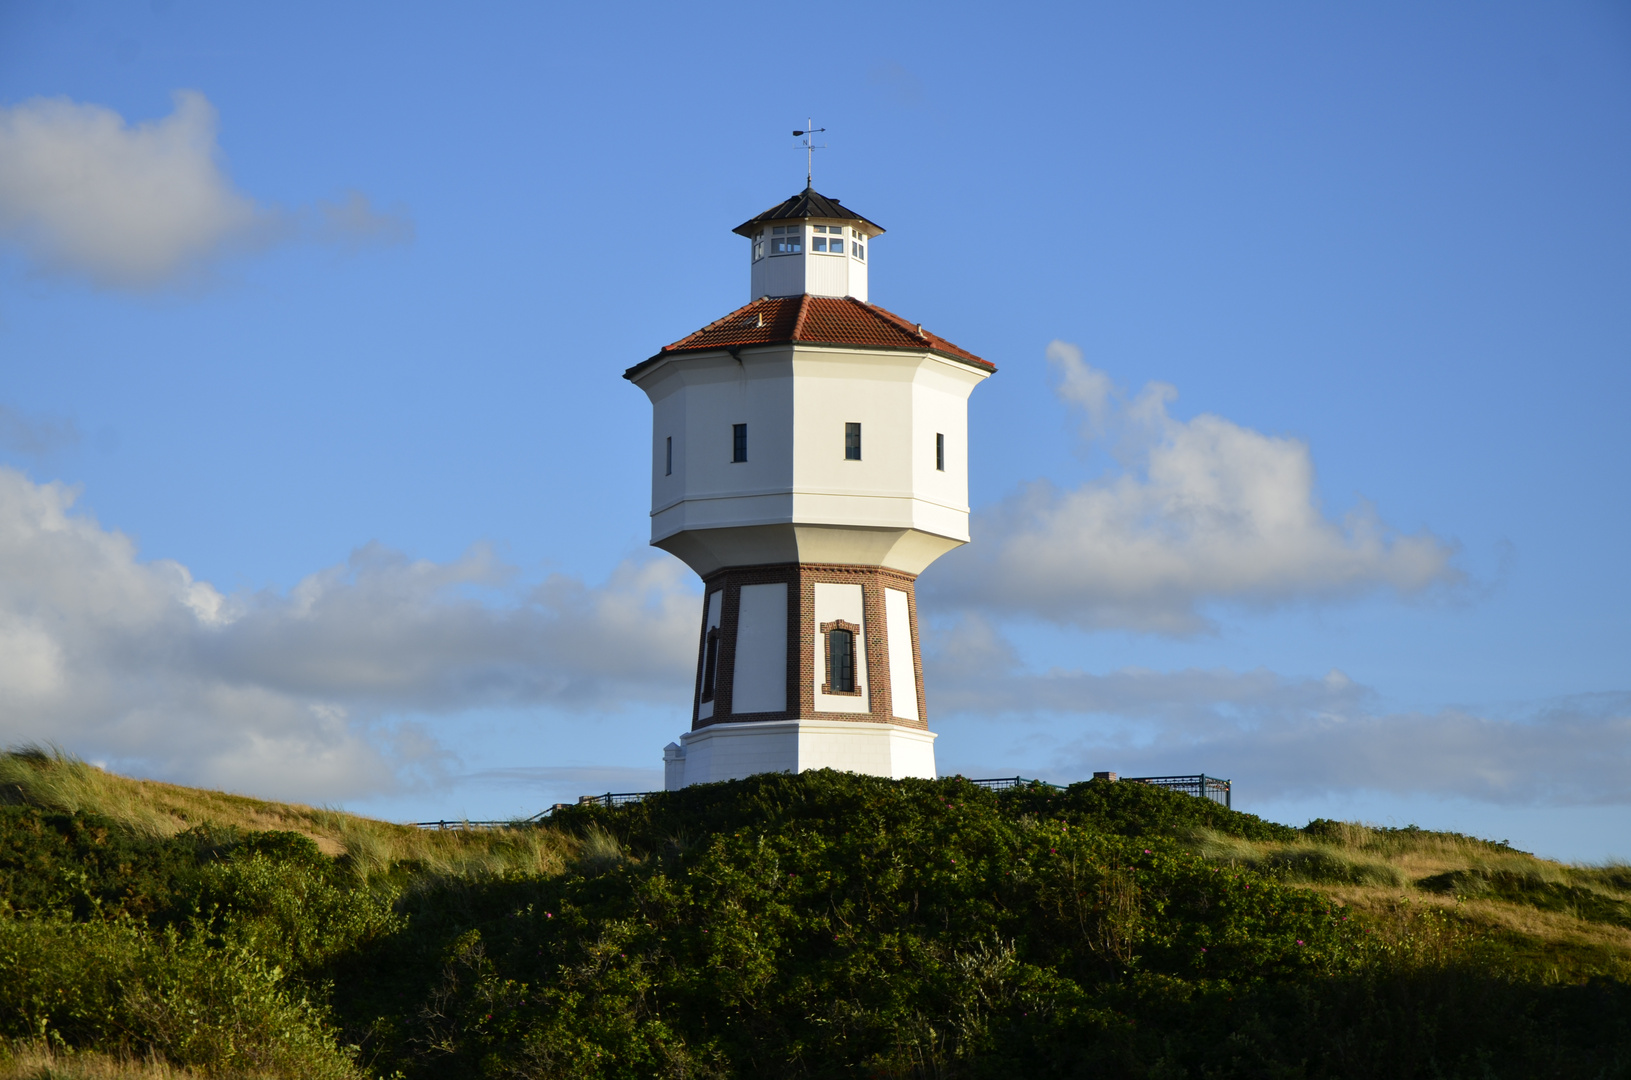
668,465
710,664
786,239
852,442
828,238
940,452
842,676
858,249
758,247
739,442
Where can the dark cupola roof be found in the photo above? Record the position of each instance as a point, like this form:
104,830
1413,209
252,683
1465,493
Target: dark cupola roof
808,203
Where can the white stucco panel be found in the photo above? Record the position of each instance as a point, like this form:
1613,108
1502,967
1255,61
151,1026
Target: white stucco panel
902,672
760,680
705,709
834,602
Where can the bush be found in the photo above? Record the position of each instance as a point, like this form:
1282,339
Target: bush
109,986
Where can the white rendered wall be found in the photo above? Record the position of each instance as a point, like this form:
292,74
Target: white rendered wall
795,402
818,273
759,682
835,601
902,672
734,751
705,709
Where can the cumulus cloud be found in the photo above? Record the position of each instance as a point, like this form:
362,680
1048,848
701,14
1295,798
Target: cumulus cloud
301,693
139,206
1195,512
1284,737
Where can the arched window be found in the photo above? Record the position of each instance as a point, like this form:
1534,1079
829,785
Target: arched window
841,653
842,677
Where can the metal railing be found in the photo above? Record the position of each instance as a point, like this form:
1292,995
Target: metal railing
1200,785
611,798
1005,783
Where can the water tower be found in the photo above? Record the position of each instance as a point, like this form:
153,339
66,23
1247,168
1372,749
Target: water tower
809,458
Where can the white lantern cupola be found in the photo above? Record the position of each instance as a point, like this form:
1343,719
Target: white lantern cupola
809,244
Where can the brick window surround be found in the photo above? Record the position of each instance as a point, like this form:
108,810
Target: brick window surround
856,641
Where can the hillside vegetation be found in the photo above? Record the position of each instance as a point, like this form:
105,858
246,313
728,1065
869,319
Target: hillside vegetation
821,925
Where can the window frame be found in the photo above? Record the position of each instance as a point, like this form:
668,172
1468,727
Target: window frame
788,237
739,444
852,441
852,634
668,463
939,451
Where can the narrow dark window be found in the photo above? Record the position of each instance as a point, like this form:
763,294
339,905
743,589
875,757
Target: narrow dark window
852,442
710,664
940,452
739,442
668,469
841,657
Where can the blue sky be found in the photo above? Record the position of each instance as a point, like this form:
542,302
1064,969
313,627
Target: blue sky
318,478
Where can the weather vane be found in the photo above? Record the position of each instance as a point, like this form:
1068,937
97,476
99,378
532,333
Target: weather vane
809,150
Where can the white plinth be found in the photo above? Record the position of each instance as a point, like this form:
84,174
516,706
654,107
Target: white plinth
732,751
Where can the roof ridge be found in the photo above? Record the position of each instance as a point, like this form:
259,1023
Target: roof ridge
798,320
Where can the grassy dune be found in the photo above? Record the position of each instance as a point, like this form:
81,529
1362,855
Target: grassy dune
52,780
1577,918
818,925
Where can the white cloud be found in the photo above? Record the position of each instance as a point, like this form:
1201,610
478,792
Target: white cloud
1284,737
1198,511
137,207
294,693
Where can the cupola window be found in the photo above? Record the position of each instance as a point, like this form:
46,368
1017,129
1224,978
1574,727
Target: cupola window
786,239
828,238
758,247
858,249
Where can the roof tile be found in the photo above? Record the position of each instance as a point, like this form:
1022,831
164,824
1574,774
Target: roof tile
814,320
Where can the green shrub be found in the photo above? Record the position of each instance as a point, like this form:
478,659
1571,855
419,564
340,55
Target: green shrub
110,986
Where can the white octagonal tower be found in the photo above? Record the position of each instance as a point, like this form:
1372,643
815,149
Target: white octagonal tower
809,460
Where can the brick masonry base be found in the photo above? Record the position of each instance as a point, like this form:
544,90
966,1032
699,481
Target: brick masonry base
802,676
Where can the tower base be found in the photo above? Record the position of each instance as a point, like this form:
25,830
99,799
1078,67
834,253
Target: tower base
732,751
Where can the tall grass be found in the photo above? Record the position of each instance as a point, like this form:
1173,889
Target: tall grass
49,778
39,1059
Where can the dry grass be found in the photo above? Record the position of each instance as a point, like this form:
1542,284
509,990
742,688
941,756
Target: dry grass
54,780
37,1060
1573,914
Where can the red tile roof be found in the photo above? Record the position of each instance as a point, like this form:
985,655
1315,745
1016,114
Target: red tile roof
814,320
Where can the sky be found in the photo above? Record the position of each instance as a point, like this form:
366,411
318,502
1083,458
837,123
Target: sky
1306,463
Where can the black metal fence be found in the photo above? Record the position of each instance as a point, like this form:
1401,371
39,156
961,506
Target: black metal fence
1003,783
1199,785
